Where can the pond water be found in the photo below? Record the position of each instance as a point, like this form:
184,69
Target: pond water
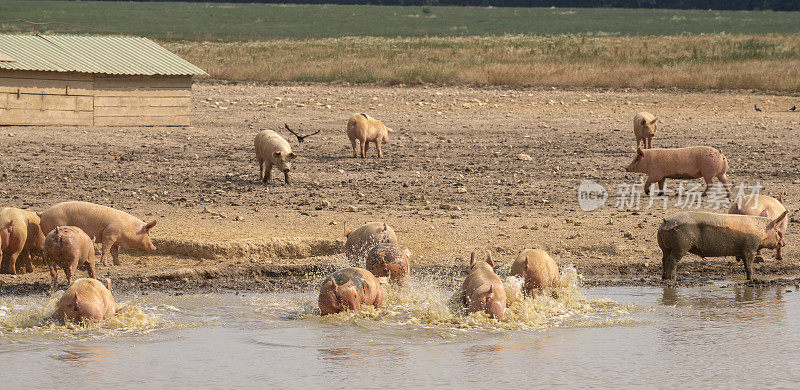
716,335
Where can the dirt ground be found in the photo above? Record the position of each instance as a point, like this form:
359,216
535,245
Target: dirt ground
488,168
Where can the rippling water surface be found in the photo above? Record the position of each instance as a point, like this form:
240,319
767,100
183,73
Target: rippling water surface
716,335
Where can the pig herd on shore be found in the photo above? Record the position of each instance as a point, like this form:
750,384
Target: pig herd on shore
66,232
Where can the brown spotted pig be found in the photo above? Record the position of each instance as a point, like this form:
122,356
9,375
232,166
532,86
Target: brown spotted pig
111,227
68,247
716,235
347,289
387,259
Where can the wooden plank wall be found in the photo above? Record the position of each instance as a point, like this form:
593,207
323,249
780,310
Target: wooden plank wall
142,101
49,98
42,98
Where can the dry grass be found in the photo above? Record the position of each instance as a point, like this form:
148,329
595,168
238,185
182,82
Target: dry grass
761,62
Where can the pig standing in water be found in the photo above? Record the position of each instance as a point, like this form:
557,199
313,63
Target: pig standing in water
537,269
387,259
68,247
366,129
272,149
113,228
716,235
680,163
347,289
482,289
361,240
26,237
764,206
644,128
86,300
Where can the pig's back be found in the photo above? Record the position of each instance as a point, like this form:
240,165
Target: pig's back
91,218
268,141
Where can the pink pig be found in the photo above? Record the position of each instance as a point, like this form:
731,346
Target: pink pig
482,289
347,289
680,163
68,247
112,227
366,129
86,300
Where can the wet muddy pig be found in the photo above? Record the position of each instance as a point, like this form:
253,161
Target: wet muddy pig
347,289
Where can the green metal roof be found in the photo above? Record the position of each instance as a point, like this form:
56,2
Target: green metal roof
108,55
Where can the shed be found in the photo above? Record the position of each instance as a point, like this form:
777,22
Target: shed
92,81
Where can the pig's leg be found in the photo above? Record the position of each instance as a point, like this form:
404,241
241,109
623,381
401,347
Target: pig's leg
650,142
723,178
286,177
638,141
26,259
378,146
379,297
661,186
355,148
670,265
647,185
364,148
709,182
268,173
779,253
70,270
748,265
108,242
260,169
53,273
12,262
115,253
92,270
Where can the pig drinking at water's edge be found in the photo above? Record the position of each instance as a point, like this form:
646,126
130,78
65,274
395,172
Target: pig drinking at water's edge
482,289
86,299
68,247
716,235
347,289
113,228
764,206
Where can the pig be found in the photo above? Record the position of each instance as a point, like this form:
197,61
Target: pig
86,299
272,149
361,240
347,289
27,236
366,129
68,247
680,163
764,206
112,227
537,269
482,289
716,235
644,128
387,259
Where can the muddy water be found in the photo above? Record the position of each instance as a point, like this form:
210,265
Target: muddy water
612,336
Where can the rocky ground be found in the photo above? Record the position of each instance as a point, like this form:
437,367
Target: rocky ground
468,168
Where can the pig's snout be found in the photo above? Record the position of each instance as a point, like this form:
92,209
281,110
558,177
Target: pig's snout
152,247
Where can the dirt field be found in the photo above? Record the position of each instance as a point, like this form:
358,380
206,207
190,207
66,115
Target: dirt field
452,179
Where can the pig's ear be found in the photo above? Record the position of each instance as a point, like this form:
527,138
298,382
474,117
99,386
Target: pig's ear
653,121
347,230
93,239
472,260
149,226
489,259
781,217
640,152
276,154
292,156
644,122
764,213
389,129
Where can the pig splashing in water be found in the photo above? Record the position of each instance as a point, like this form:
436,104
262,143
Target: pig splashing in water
716,235
387,259
537,269
86,299
361,240
112,227
348,289
68,247
483,290
680,163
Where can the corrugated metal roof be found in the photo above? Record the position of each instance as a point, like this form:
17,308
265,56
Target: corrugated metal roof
109,55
